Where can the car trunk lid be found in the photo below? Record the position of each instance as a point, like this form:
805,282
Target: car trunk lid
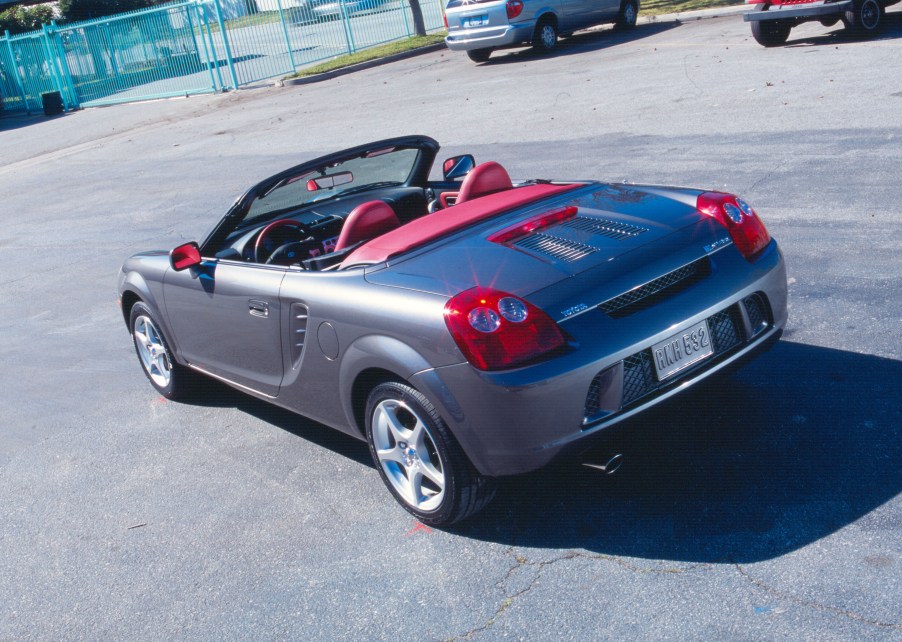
618,237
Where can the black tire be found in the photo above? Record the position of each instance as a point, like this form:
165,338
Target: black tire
479,55
629,14
829,22
770,33
407,436
864,18
544,38
170,379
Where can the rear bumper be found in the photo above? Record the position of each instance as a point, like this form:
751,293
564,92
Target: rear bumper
811,11
518,421
489,37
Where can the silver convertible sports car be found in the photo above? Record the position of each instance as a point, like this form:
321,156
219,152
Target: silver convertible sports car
467,327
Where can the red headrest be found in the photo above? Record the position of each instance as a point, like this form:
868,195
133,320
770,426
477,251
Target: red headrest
366,221
483,179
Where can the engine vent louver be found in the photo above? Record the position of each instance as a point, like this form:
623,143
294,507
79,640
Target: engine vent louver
298,331
604,227
651,292
555,247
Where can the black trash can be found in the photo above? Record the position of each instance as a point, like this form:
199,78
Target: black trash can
53,103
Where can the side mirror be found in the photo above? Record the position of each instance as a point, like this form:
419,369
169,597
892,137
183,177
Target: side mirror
458,166
184,256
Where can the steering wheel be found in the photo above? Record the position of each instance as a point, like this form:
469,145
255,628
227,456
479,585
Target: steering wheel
302,229
284,253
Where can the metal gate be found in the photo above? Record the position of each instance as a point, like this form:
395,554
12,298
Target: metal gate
192,47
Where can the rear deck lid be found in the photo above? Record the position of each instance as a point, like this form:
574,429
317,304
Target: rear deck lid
611,230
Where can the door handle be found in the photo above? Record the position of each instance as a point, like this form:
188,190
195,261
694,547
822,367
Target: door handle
258,308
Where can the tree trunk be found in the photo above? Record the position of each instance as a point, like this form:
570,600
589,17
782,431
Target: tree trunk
419,25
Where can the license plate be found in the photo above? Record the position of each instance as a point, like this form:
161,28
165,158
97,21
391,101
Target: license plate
475,21
682,350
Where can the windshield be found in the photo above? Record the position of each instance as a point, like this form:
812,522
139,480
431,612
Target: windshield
383,167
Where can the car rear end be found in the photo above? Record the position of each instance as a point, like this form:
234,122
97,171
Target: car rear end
648,290
489,25
796,9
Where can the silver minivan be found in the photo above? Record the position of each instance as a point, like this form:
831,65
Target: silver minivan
481,26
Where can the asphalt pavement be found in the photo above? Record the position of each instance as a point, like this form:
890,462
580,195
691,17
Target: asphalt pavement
763,506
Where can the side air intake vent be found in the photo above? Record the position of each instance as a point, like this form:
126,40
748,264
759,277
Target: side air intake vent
604,227
555,247
298,332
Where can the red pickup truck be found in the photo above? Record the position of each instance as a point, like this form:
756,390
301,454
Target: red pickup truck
773,19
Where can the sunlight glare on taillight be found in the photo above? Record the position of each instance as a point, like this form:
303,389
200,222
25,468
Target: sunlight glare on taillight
495,330
746,229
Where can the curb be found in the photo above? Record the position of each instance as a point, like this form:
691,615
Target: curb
684,16
698,14
360,66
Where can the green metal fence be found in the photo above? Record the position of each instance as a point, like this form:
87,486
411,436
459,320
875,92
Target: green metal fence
191,47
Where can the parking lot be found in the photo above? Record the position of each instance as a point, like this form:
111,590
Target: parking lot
765,505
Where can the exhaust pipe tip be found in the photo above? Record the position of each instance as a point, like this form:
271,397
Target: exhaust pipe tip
609,467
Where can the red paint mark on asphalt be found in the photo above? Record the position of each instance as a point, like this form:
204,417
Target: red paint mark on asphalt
418,527
161,400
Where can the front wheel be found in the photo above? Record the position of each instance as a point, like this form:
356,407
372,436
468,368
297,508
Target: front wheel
479,55
168,377
770,33
418,459
864,17
629,14
544,39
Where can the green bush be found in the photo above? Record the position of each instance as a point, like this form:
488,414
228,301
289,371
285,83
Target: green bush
22,19
77,10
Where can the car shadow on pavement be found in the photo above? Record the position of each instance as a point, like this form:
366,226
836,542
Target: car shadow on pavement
891,29
748,467
581,42
218,395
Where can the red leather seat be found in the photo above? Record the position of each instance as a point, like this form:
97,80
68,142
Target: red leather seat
486,178
366,221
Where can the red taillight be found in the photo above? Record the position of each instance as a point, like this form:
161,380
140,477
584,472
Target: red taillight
495,330
747,230
546,219
514,8
445,19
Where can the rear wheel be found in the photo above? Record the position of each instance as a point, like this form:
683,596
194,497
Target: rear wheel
864,17
544,39
629,14
770,33
479,55
418,459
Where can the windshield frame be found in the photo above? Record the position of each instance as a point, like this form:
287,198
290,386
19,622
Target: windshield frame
237,216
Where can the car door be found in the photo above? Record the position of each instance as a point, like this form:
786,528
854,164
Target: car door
226,319
575,14
602,11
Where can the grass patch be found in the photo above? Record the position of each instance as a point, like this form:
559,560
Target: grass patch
261,18
372,53
658,7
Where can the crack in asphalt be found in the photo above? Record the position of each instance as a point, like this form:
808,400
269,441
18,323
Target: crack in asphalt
812,604
522,561
766,176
